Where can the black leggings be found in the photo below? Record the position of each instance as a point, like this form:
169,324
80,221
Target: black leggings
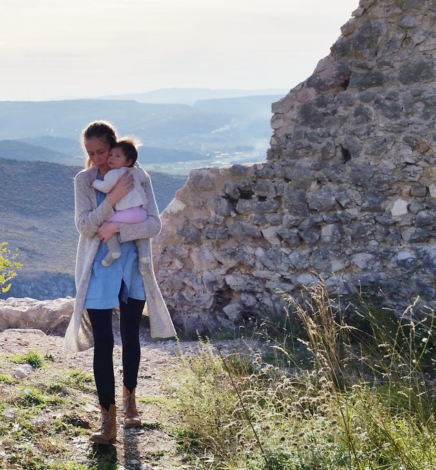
101,321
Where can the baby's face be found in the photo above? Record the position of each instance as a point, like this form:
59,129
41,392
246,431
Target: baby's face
116,159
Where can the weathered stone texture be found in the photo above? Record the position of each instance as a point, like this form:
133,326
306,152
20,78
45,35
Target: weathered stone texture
347,192
49,316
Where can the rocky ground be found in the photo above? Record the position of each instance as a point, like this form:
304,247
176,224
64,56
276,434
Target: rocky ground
150,446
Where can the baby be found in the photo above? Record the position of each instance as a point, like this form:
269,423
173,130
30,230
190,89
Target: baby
131,208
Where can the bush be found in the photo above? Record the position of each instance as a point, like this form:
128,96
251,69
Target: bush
7,267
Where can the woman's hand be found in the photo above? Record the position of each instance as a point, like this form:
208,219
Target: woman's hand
122,188
107,229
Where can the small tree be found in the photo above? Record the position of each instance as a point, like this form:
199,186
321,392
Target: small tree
8,267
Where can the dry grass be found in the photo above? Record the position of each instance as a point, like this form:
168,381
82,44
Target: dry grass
367,401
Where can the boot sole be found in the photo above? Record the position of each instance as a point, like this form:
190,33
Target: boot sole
132,425
102,441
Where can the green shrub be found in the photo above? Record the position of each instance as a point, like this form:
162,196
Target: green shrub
8,267
32,358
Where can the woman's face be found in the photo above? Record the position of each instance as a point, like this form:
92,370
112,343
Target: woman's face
98,151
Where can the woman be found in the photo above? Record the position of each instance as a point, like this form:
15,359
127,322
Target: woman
100,288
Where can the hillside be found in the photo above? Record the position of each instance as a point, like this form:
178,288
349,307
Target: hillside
61,144
37,214
20,150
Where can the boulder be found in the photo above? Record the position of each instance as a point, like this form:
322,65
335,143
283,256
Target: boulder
49,316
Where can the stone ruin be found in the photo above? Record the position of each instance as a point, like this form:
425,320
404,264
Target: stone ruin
347,193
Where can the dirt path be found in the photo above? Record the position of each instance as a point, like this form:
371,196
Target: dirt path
147,447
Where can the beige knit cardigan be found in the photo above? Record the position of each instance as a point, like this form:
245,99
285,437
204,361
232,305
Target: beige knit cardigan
89,217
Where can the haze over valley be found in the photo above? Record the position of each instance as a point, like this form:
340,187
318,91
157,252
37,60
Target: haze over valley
175,137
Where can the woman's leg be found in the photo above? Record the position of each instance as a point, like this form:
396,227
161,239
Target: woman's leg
130,320
101,321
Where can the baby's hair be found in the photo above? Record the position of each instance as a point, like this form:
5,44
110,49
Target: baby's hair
101,130
129,146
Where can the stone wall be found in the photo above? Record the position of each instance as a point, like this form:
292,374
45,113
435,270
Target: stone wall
347,193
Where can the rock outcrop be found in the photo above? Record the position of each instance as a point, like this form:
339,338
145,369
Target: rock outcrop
49,316
347,193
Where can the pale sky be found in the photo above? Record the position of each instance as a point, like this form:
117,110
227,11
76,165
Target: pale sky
85,48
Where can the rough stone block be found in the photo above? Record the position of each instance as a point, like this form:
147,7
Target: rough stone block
372,202
202,179
343,197
290,236
399,208
242,282
363,81
331,234
406,260
417,70
363,260
361,175
254,206
178,251
432,190
216,233
243,230
309,235
203,259
424,218
323,200
221,206
291,220
416,206
415,235
189,234
295,201
232,190
307,280
298,261
270,234
302,177
264,188
321,259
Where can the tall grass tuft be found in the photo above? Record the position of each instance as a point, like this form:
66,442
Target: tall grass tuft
367,401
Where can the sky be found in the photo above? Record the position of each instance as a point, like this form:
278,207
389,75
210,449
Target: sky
53,49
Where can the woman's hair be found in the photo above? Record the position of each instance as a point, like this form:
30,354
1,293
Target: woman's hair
101,130
129,146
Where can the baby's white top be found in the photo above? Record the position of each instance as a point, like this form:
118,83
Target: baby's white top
136,197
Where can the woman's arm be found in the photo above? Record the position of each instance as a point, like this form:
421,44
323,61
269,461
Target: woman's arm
89,219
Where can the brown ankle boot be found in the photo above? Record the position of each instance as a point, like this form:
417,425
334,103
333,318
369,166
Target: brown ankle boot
107,434
131,416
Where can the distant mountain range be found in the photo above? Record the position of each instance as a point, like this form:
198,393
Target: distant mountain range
208,127
37,216
190,95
